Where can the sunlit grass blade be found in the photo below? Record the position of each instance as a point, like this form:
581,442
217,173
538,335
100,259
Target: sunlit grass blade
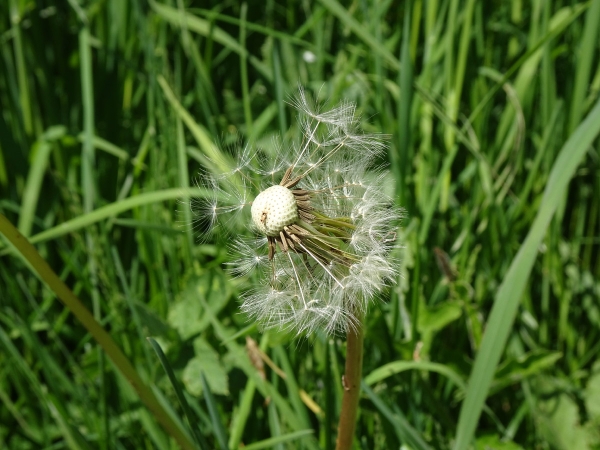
114,209
215,157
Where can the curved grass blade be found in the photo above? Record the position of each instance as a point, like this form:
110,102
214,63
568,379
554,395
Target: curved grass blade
179,393
395,367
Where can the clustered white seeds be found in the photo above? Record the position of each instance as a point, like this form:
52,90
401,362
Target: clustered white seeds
273,209
325,228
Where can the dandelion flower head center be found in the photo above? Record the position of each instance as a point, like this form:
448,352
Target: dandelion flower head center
273,209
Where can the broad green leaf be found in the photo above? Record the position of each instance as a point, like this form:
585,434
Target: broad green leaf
187,315
560,423
206,360
591,394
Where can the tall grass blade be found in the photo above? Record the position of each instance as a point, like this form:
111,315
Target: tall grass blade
211,403
192,422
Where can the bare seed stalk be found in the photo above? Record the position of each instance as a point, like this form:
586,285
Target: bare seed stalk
351,382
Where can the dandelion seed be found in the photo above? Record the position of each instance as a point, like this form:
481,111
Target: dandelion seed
325,227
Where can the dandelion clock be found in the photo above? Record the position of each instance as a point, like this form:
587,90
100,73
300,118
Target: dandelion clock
320,228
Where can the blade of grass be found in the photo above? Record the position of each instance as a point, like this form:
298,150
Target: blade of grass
274,422
511,290
35,177
113,209
254,27
33,185
205,28
72,436
214,413
178,392
88,182
243,412
360,30
24,97
400,162
389,369
184,182
244,72
103,144
99,334
130,300
279,87
272,442
292,387
405,431
215,156
585,56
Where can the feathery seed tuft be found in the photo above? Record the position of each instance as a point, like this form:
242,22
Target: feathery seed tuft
325,227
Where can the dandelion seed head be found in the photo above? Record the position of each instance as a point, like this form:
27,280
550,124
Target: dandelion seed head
324,229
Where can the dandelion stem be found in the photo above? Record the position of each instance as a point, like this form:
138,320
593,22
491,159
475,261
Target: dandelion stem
351,382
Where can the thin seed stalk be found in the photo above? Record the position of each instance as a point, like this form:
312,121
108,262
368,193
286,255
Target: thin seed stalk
337,222
351,384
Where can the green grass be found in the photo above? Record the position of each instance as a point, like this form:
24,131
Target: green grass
110,109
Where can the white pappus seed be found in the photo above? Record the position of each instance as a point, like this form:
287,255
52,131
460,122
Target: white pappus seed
273,209
327,244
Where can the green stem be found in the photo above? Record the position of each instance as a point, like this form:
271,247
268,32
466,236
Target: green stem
351,382
45,272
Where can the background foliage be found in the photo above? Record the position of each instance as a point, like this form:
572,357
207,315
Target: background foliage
110,108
